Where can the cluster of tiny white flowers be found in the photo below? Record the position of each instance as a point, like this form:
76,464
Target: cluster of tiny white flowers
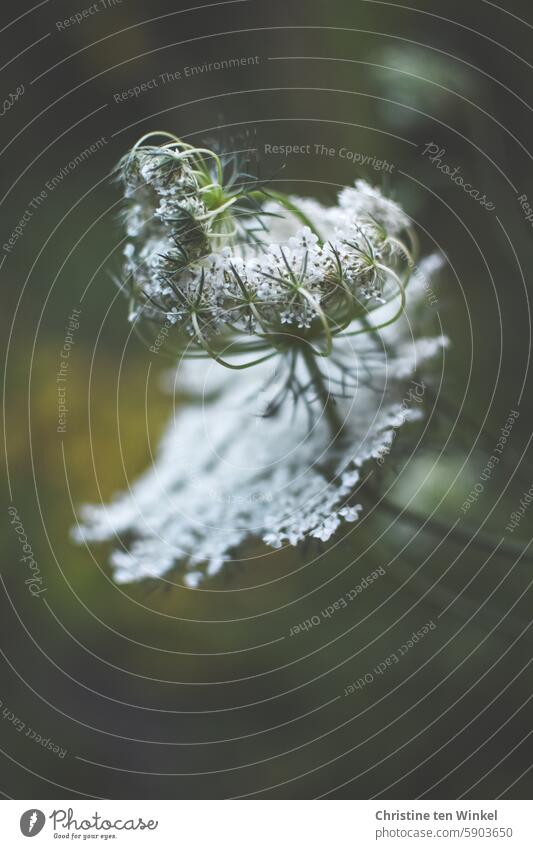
248,476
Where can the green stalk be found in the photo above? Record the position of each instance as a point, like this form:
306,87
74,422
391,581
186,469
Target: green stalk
484,542
329,406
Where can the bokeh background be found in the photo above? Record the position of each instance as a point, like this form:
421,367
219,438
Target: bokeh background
162,691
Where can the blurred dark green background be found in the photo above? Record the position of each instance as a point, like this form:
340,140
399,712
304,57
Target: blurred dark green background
158,691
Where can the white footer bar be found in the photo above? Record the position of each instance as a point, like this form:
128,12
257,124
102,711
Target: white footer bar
268,824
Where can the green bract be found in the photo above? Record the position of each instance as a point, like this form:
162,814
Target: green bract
237,268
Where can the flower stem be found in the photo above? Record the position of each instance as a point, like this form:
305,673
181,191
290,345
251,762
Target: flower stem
329,405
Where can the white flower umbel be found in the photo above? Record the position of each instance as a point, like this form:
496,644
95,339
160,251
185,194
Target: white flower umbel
225,472
218,255
311,305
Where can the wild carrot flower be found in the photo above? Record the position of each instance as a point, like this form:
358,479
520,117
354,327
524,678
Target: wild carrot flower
316,299
202,254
